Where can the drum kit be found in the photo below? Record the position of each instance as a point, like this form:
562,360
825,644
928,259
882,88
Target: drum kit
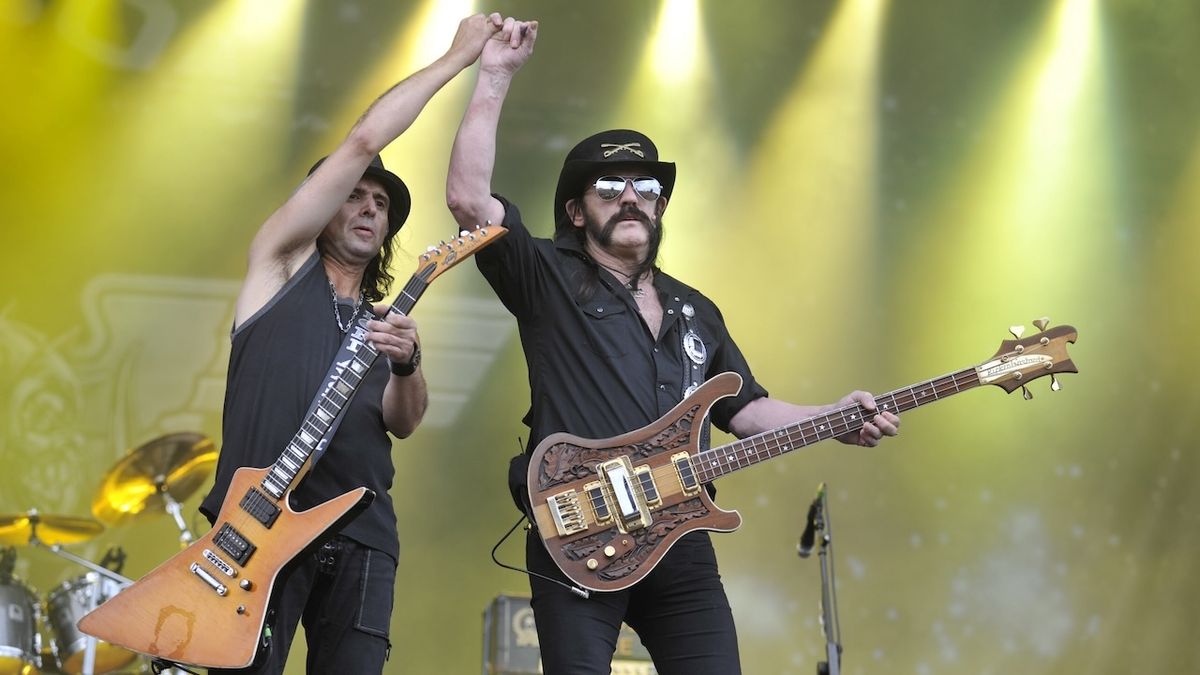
41,636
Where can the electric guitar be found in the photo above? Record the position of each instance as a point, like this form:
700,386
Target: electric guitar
608,510
206,605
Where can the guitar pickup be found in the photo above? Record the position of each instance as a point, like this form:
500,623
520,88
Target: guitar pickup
233,543
595,494
649,489
687,475
258,505
566,512
617,478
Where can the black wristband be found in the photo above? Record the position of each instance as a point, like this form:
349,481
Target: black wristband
406,369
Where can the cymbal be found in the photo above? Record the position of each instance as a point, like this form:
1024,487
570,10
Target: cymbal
167,469
21,528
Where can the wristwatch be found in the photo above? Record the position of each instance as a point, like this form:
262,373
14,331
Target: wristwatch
406,369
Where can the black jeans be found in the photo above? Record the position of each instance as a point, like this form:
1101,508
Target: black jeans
679,611
342,594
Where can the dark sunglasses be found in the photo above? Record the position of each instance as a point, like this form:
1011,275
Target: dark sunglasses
609,188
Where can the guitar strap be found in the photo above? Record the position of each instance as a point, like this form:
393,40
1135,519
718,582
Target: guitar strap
692,347
354,348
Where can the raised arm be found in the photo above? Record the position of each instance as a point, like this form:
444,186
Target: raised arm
473,157
289,235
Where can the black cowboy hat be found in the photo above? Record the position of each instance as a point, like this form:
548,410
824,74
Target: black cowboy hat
615,146
399,200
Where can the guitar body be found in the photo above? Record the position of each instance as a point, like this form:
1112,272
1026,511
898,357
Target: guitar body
178,611
608,510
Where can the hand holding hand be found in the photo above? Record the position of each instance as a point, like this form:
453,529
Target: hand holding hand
510,47
473,33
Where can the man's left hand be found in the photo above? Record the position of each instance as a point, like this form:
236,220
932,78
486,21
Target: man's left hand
394,336
880,425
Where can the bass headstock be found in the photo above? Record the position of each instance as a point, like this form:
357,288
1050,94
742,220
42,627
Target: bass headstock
1024,359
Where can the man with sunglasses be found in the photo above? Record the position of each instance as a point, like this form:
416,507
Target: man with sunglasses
612,343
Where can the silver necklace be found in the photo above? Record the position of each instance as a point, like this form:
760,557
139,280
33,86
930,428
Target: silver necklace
337,314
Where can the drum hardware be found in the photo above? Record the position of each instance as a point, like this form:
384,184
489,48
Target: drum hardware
74,651
155,477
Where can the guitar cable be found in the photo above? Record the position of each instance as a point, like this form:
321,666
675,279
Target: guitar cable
581,592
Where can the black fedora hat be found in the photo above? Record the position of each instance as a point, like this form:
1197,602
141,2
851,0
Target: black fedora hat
615,146
399,200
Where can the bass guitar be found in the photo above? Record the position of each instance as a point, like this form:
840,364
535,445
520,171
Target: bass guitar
206,606
608,510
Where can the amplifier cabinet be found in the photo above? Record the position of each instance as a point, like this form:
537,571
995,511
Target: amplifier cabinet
510,642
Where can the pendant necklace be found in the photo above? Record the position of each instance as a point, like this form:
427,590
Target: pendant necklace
638,293
337,313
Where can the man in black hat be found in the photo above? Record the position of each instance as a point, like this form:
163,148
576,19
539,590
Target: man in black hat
612,344
315,264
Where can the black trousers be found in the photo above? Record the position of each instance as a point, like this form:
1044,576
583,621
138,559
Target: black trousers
679,611
342,594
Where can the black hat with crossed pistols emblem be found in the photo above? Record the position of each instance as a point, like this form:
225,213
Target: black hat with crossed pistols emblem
615,147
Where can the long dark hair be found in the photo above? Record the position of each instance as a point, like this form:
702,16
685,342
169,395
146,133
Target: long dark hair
376,279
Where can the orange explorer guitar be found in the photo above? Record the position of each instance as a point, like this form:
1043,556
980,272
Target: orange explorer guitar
608,510
206,605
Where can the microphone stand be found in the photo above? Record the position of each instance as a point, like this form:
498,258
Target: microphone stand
820,522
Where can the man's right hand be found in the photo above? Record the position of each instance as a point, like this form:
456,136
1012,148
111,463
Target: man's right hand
473,33
510,47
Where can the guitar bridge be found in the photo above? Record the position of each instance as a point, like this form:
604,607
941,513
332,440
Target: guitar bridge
567,513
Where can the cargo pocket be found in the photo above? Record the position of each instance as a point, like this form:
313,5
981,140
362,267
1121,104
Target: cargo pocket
377,588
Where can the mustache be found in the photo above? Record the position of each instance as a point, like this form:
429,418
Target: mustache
629,212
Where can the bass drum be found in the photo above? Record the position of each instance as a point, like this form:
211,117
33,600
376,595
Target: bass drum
65,606
20,643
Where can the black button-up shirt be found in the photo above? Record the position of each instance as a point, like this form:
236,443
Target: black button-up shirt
595,370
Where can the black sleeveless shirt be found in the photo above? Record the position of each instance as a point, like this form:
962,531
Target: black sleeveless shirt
278,359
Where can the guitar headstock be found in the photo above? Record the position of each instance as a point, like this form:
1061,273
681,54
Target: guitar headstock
447,254
1023,360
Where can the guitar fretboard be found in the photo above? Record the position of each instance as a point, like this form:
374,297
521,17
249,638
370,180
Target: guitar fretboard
730,457
337,390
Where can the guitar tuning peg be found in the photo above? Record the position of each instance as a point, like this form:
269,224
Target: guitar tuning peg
1054,384
1026,393
1016,331
1042,322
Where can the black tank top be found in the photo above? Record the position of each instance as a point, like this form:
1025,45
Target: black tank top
278,360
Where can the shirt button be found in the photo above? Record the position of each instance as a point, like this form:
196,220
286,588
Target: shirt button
662,386
599,310
656,350
670,311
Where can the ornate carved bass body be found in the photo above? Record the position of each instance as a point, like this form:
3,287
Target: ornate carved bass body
206,606
608,510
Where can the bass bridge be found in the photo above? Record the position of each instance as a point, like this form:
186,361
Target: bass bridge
623,496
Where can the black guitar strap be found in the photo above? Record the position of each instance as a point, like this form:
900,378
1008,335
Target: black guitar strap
692,347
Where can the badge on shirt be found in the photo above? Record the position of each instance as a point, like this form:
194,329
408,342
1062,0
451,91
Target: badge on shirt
693,346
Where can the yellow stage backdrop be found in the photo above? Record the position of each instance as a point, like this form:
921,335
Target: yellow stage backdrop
872,191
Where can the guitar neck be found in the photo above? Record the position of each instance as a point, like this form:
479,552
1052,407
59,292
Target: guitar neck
745,452
337,390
